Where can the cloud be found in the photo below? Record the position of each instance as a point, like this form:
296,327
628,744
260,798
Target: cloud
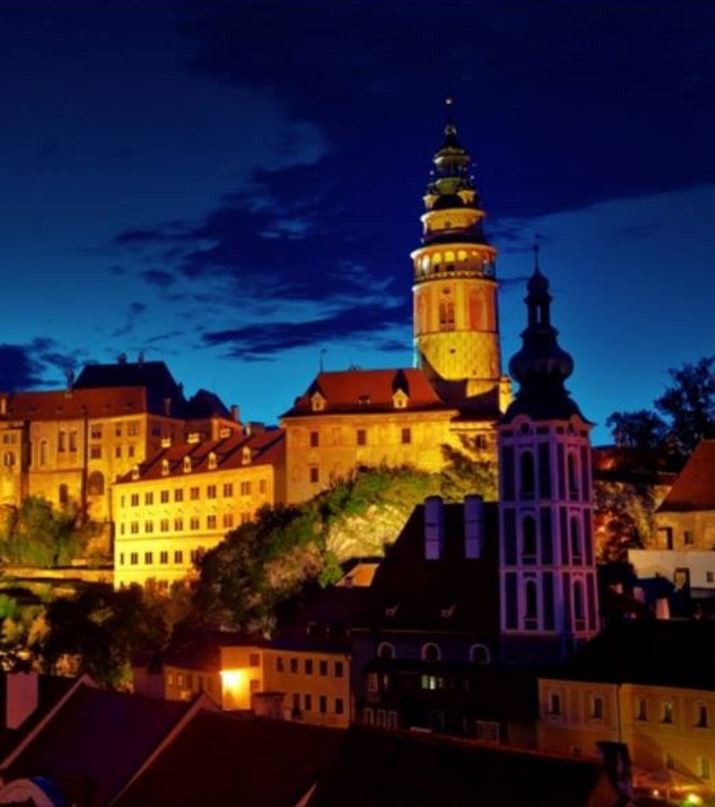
158,277
27,366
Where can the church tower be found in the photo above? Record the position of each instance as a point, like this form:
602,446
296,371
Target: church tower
456,327
549,598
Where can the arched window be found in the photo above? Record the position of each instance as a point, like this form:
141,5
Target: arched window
578,606
212,461
576,551
527,475
479,654
95,484
531,605
446,315
385,650
528,543
431,652
573,478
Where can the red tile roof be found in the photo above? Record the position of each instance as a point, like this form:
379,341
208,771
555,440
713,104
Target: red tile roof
694,489
77,404
267,448
368,391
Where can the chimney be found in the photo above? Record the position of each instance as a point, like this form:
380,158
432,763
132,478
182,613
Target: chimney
22,697
473,526
235,413
434,527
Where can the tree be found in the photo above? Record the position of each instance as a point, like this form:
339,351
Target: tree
689,404
642,430
35,534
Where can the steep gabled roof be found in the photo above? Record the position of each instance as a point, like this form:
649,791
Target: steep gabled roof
368,391
154,375
78,403
694,489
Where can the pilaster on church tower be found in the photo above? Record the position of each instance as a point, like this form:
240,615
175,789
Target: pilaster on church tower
549,596
456,325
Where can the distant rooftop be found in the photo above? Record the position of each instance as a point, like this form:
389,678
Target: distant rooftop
694,489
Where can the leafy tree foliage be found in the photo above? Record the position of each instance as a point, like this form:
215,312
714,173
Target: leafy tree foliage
36,534
682,416
623,515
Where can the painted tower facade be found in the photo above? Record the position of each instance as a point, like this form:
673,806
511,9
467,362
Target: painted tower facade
456,326
549,597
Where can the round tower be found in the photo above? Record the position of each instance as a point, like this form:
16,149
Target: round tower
456,325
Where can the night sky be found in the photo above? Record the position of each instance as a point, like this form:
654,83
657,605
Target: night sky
233,187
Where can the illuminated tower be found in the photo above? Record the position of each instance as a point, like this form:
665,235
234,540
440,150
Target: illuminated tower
456,326
549,597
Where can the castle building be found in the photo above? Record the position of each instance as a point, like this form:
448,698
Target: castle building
187,496
455,394
549,598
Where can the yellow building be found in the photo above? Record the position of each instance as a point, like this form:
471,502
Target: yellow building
648,685
358,418
309,685
186,497
685,521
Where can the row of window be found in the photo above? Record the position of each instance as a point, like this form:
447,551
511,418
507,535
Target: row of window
227,489
96,430
163,556
478,653
305,704
194,522
309,667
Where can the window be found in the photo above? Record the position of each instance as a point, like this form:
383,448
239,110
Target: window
322,704
245,488
194,555
432,682
597,707
130,451
95,431
132,428
134,500
701,719
361,437
178,556
164,496
117,429
406,436
262,486
314,439
554,703
228,520
187,465
194,494
481,442
95,452
372,682
294,665
178,524
576,555
446,315
121,557
194,523
148,498
148,558
149,526
339,706
63,494
710,577
254,660
642,709
213,462
211,492
323,667
178,494
338,669
308,666
296,703
528,528
314,474
164,525
211,522
117,451
688,537
572,477
73,441
134,558
431,652
134,528
228,490
385,650
279,664
527,475
667,712
479,654
704,765
531,602
307,702
95,484
163,557
487,730
578,606
43,452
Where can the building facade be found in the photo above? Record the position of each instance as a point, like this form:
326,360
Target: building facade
187,497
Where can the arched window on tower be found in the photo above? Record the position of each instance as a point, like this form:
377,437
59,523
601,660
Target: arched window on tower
385,650
528,544
431,652
479,654
531,605
446,315
572,475
579,613
576,547
527,475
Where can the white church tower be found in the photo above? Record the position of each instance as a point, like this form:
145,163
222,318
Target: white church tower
549,595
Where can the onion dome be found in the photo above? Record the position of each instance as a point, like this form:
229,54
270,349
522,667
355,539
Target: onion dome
541,367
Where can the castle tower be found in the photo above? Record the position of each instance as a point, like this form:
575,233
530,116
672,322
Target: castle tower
456,328
549,598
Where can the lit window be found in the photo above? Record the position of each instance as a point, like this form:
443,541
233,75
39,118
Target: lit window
213,462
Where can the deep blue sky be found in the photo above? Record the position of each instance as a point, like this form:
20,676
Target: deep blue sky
234,186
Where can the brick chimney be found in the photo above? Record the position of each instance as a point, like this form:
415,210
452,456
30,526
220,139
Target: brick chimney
21,691
434,527
473,526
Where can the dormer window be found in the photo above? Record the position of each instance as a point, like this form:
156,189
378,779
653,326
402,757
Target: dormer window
165,467
448,613
317,402
135,472
187,464
400,399
246,455
212,461
364,400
